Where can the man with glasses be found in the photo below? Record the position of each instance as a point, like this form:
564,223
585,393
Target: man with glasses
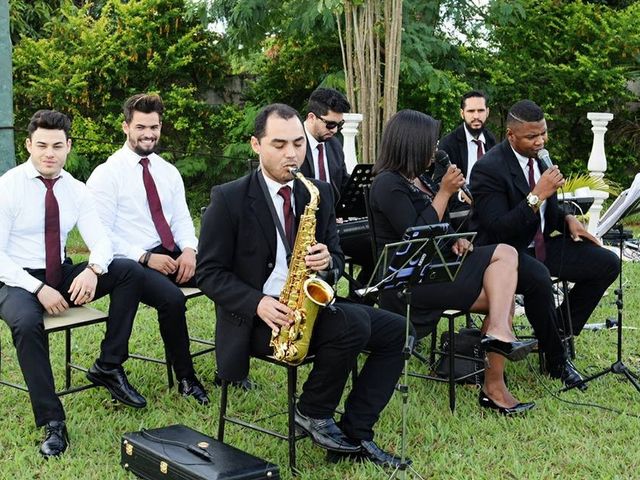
324,159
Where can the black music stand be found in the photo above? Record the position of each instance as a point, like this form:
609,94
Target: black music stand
351,202
421,257
626,204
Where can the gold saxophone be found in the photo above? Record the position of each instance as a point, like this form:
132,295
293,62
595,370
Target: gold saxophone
302,292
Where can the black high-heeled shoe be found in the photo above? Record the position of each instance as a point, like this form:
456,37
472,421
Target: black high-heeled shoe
513,351
519,409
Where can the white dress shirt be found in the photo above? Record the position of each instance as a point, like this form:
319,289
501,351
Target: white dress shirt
313,145
22,210
122,203
275,282
472,149
524,164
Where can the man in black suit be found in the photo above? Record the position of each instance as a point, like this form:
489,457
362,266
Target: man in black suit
324,158
471,140
246,233
516,203
324,161
466,145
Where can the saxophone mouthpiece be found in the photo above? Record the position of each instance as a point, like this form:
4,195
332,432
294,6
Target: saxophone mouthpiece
294,171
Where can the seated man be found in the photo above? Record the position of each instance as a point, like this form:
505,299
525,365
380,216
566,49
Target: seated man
324,161
39,204
247,232
140,198
516,203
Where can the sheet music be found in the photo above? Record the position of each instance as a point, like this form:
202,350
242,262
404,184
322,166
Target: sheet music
621,204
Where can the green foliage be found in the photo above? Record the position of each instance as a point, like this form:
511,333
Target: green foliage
87,62
577,59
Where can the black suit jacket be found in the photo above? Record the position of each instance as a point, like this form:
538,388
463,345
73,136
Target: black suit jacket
455,144
236,255
501,212
337,168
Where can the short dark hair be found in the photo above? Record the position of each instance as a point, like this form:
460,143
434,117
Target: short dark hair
50,120
143,102
473,94
408,143
524,111
279,110
324,99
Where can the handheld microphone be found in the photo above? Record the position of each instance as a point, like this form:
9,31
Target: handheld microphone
442,159
543,156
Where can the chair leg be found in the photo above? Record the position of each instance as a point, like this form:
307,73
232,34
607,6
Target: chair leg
224,391
67,358
452,374
570,346
292,377
434,340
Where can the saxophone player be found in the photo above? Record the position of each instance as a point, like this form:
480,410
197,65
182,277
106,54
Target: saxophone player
246,234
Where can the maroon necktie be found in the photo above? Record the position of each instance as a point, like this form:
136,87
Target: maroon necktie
480,148
285,193
166,237
53,274
322,174
538,239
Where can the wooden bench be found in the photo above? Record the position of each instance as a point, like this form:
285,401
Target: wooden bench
73,318
189,292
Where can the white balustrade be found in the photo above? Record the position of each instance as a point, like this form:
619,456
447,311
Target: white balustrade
349,132
597,164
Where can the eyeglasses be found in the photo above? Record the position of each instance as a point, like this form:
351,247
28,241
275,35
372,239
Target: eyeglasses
330,124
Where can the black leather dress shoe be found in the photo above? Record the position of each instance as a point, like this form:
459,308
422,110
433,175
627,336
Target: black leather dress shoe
244,384
325,433
55,440
115,380
513,351
568,373
191,387
369,452
518,409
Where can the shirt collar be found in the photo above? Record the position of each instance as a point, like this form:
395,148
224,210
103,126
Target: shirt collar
133,158
32,173
274,186
522,160
470,137
313,143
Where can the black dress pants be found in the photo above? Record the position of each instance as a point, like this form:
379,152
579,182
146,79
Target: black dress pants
590,267
340,334
22,311
162,293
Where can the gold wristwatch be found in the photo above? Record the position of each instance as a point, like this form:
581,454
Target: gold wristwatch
533,201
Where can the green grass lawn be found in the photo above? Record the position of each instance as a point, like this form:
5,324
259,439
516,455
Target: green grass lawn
570,435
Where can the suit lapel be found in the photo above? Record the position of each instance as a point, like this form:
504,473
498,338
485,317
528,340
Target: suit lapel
261,212
464,150
517,174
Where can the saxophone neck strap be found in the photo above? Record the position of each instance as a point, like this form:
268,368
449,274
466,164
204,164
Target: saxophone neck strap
274,216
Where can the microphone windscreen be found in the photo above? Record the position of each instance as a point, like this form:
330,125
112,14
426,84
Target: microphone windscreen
543,155
442,158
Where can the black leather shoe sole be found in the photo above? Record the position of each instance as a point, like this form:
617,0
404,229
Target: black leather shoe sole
519,409
115,393
513,351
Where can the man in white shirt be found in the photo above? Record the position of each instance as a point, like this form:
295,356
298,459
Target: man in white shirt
39,204
141,200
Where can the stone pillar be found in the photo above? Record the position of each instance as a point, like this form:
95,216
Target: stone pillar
349,132
597,164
